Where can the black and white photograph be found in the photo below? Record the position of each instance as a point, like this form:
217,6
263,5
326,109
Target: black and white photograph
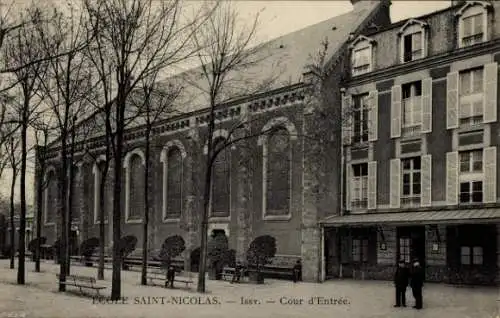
249,158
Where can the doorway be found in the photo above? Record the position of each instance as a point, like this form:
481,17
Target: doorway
411,244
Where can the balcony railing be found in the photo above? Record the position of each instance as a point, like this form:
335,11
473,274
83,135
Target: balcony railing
472,39
359,203
360,69
412,56
410,201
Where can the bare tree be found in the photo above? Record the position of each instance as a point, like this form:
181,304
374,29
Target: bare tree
68,84
227,59
153,102
11,148
134,39
43,130
23,49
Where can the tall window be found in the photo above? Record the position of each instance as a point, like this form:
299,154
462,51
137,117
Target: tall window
412,107
359,185
221,180
404,249
361,60
471,255
471,176
360,116
136,197
108,193
174,183
411,181
471,97
277,172
473,29
412,44
360,250
51,197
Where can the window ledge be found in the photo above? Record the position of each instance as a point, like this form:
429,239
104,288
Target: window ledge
216,219
133,221
171,220
99,222
286,217
49,223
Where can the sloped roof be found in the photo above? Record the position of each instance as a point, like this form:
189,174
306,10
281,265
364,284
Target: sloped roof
283,62
286,57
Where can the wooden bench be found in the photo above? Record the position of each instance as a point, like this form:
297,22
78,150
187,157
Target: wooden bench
281,266
82,282
158,274
228,273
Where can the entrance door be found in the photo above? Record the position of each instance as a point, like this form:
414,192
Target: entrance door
411,244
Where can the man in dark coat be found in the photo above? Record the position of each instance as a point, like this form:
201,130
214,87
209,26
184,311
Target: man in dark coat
297,271
401,279
417,282
170,277
237,273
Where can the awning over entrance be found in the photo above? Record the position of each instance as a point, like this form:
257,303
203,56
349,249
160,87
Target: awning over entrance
491,215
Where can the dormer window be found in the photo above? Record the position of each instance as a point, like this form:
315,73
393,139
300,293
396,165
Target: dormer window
473,23
361,55
412,38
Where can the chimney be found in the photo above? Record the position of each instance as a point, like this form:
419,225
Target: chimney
457,2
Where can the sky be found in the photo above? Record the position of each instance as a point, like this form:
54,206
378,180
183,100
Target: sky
276,19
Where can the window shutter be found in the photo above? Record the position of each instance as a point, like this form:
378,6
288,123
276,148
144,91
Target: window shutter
490,92
452,100
426,198
427,105
396,112
372,185
373,116
348,183
490,175
347,119
395,183
452,178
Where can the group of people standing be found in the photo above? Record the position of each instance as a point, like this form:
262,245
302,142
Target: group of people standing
405,276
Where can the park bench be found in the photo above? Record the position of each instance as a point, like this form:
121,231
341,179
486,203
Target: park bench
159,274
281,266
82,282
228,273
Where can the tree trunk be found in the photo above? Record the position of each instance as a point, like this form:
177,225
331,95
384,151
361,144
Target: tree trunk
146,212
12,224
39,205
117,257
22,220
62,184
70,212
102,217
206,204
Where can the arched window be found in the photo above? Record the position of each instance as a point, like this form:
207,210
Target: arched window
108,192
221,180
277,172
50,197
136,187
173,183
473,23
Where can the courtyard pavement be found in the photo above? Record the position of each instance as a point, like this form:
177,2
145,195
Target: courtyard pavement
39,298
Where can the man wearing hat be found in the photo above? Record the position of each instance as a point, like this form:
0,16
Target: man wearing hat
401,278
417,282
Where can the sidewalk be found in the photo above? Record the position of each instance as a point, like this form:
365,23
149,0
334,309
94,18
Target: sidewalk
358,299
